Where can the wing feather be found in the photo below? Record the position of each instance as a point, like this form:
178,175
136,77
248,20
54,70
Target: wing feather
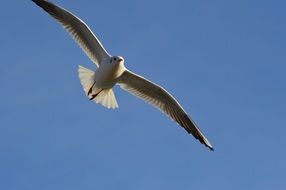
80,32
161,99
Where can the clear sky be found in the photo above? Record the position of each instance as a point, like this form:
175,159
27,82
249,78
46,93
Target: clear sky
225,62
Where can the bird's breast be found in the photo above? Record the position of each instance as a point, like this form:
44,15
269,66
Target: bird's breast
106,75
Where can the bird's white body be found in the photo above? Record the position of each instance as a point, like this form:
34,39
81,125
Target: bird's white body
108,73
111,70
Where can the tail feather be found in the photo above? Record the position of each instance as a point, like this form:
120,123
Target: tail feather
107,99
87,80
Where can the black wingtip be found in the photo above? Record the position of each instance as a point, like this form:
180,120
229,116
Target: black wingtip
207,144
43,3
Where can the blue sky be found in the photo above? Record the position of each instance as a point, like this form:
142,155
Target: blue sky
223,60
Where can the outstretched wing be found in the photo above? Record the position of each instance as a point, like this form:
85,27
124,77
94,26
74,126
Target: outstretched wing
77,29
161,99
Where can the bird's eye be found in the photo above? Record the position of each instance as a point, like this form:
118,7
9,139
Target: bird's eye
114,59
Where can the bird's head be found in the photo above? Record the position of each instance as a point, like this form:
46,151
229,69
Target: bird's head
116,60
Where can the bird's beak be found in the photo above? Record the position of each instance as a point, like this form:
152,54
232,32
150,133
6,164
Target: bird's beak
119,60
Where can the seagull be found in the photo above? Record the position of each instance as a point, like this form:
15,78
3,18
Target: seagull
111,70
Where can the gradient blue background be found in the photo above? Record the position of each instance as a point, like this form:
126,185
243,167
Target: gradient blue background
225,62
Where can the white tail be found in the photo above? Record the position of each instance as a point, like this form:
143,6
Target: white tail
104,97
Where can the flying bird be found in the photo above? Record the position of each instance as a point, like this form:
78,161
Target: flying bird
111,70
